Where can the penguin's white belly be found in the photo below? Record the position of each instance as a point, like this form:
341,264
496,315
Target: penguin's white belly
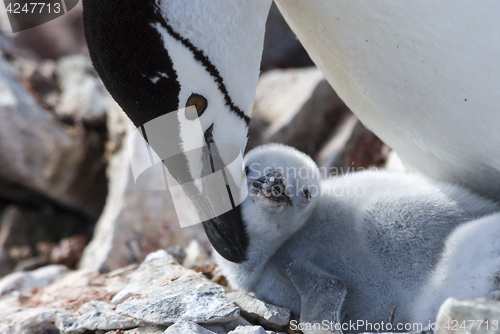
422,75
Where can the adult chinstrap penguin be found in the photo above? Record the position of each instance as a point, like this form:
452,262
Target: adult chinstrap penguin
421,75
356,247
154,58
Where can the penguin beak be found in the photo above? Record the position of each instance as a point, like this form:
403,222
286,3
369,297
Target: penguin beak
226,232
227,235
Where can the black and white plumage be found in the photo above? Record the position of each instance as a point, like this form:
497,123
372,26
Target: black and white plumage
421,75
154,57
355,247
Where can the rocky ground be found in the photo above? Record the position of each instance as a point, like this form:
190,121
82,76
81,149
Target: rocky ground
74,226
160,295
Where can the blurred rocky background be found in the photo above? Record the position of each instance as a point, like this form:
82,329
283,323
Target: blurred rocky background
73,224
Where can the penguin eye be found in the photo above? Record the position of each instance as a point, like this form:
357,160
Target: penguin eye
199,102
247,170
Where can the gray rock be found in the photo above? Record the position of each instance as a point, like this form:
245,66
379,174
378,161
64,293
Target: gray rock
229,326
164,292
27,320
11,300
248,330
158,269
189,297
280,93
69,38
334,147
196,255
130,269
75,289
363,149
468,316
265,314
178,252
147,329
217,329
42,158
43,81
300,106
135,221
94,315
83,96
23,229
353,148
24,281
187,327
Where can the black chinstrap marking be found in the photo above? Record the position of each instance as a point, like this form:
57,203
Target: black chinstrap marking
127,51
211,69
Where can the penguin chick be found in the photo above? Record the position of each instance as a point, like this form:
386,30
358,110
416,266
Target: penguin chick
351,248
468,268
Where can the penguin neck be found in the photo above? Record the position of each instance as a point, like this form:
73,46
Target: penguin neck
264,242
231,36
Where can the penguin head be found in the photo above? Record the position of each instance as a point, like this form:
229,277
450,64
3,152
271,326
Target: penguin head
157,57
283,187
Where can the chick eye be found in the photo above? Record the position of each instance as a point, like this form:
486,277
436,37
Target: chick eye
307,194
199,102
247,170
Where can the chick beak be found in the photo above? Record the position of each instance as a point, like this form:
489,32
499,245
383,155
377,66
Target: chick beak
273,188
